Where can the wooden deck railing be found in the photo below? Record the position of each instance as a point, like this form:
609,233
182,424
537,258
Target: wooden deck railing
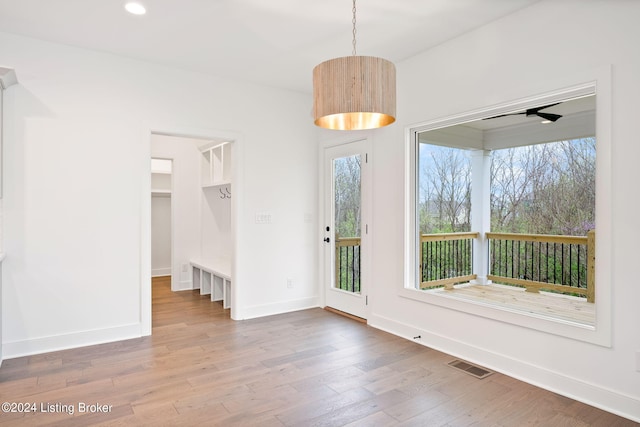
348,264
446,259
557,263
533,261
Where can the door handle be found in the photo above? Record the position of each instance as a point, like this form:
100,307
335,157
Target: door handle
327,239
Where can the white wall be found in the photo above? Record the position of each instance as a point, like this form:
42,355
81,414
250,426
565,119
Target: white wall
1,183
216,223
1,224
160,235
77,212
546,47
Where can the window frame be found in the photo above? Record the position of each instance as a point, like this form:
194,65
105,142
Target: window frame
599,334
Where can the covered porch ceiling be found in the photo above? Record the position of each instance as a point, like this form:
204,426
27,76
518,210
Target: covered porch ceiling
516,128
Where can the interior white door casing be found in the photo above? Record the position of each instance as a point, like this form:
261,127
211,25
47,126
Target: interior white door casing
352,301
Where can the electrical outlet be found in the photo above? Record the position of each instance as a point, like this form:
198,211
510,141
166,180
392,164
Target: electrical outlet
185,267
289,283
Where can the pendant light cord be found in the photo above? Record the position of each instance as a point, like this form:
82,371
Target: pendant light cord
354,27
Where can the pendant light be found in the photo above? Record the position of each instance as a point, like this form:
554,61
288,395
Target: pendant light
354,92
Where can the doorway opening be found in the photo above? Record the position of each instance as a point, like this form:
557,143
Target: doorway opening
190,237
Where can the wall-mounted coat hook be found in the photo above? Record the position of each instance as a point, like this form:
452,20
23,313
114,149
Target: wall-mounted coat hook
226,194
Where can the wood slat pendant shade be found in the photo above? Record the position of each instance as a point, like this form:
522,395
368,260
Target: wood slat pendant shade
354,92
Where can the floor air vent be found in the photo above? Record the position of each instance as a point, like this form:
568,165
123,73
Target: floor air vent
475,370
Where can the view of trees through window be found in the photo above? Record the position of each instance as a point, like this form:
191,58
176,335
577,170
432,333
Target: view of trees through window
347,221
444,194
537,189
347,196
545,188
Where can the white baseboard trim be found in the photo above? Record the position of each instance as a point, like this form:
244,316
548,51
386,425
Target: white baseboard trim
255,311
184,286
574,388
161,272
74,340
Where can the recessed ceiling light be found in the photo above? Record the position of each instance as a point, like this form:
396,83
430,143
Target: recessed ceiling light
135,8
546,122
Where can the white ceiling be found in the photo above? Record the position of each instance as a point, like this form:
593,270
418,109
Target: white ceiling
272,42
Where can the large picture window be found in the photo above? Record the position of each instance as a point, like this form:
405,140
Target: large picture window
503,215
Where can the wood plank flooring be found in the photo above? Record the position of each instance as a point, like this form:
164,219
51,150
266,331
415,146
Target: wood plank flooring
307,368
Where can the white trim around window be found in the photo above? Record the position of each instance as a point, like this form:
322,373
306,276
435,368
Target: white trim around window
601,333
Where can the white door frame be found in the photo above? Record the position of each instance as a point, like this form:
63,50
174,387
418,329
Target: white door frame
367,192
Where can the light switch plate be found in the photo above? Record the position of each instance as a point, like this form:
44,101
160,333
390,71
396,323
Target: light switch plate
263,218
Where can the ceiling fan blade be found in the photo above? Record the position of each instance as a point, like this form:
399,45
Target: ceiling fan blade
533,112
502,115
549,116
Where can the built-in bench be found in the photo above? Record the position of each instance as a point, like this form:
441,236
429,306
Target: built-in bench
213,278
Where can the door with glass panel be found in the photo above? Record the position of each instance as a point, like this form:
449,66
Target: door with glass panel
345,227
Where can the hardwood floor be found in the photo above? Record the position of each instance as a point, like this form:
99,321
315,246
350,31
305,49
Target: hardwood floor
307,368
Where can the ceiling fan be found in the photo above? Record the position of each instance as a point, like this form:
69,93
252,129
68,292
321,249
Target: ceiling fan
534,112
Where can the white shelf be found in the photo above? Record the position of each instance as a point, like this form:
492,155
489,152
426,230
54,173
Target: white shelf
160,193
163,166
216,165
161,171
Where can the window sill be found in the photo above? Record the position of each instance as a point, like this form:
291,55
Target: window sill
597,334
